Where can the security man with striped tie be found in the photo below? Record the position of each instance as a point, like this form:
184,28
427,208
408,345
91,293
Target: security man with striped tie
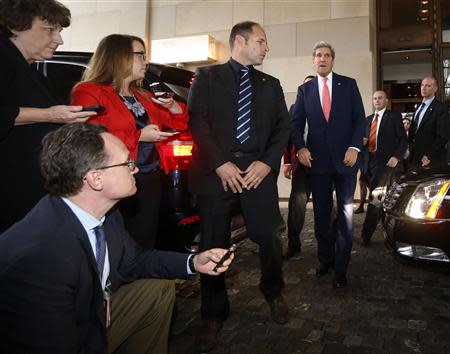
430,129
240,125
385,145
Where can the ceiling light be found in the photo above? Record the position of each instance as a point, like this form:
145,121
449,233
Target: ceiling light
192,49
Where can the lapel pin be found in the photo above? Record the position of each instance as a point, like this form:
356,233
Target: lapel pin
339,84
264,79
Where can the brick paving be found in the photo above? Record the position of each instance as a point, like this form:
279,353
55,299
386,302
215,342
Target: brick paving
388,307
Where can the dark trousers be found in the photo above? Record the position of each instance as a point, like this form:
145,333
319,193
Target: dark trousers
363,186
299,197
141,210
377,177
334,238
262,218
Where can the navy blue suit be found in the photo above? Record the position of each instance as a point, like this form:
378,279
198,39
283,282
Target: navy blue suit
328,143
51,299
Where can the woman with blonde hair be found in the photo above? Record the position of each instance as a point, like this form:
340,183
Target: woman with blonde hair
114,81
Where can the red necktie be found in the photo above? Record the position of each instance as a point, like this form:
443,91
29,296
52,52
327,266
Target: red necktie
326,100
373,134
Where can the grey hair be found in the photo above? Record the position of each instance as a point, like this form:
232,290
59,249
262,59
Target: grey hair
322,44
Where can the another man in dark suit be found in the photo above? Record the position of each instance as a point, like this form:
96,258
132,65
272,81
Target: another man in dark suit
240,125
332,107
385,147
70,256
430,129
299,196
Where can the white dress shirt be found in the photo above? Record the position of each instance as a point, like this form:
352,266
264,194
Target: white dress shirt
380,117
422,112
89,223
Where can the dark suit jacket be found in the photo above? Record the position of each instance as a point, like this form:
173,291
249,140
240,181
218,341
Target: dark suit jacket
391,141
213,115
51,297
328,142
432,136
290,154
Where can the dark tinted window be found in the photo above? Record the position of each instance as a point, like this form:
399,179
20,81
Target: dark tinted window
63,77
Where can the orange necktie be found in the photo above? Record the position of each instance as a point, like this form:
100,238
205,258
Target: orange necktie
373,134
326,100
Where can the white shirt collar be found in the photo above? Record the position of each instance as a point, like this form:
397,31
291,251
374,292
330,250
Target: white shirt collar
88,221
381,112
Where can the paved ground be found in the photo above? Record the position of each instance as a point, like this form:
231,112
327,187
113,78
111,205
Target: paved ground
388,307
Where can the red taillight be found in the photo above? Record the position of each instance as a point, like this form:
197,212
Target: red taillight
189,220
175,153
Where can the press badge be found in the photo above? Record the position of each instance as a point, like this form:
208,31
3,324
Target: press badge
107,304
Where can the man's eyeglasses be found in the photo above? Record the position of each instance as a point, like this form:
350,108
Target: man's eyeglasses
141,55
131,164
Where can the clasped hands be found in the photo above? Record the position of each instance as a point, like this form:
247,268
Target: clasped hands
425,161
237,180
305,157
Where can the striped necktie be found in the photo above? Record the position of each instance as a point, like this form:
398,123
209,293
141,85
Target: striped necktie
417,119
373,134
244,106
100,249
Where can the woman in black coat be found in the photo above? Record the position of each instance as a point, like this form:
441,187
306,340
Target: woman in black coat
29,31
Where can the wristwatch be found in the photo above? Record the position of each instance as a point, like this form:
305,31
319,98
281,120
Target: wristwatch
191,264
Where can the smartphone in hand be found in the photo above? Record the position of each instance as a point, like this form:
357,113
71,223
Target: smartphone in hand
158,91
227,255
95,108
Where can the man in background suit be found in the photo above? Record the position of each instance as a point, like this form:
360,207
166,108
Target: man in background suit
240,125
71,254
384,147
299,196
332,107
430,129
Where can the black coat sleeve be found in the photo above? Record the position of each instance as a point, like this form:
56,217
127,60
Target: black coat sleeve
199,102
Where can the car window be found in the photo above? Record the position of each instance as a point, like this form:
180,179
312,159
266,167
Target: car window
63,77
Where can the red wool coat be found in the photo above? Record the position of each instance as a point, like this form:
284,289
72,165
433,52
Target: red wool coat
119,120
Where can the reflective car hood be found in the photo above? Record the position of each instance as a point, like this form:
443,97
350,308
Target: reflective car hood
425,174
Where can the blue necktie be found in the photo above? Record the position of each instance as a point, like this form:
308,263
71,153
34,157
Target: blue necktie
100,249
244,106
417,119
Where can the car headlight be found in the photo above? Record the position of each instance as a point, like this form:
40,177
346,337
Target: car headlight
427,199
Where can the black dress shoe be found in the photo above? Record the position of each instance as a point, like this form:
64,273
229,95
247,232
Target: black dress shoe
279,310
360,210
291,253
206,340
322,270
365,242
340,281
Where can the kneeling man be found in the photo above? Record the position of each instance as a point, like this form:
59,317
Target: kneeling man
72,279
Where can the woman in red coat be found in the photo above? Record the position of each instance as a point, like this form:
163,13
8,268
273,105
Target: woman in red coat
131,113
